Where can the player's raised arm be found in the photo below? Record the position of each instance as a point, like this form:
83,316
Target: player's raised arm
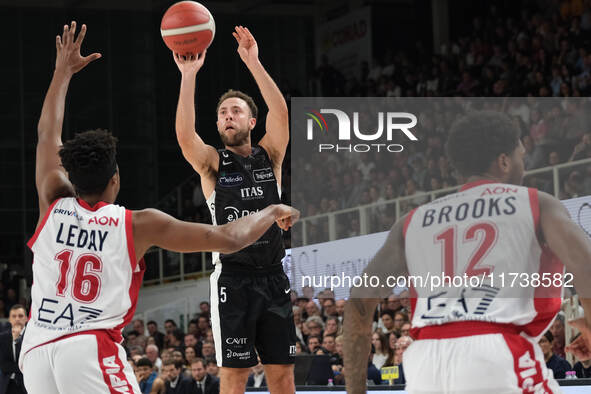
50,177
276,137
360,308
202,157
155,228
572,246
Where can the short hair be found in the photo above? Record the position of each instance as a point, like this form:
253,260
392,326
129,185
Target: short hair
198,360
152,322
237,93
315,319
177,363
144,362
133,332
477,139
17,306
549,336
170,321
211,361
204,302
208,342
315,336
90,160
152,347
387,312
178,334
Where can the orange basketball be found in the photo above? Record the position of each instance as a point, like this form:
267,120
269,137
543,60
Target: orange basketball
187,27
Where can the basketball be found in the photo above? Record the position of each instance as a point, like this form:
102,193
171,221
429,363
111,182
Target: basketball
187,27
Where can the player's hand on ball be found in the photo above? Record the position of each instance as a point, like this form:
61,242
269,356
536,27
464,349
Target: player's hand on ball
287,216
68,57
190,63
581,347
247,45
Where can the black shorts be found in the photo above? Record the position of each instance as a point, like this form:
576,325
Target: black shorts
250,314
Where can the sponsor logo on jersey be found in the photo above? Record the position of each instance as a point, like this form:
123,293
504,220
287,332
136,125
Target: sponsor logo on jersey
113,369
59,211
252,193
236,341
233,213
238,355
263,175
104,221
231,180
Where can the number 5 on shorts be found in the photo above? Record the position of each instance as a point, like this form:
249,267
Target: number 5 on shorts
222,294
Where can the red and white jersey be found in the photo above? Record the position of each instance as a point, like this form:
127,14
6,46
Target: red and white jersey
489,231
85,274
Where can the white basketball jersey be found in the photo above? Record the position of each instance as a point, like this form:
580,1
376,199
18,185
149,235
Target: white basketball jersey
490,231
85,275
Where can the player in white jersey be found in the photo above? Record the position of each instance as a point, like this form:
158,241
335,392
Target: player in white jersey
480,337
88,253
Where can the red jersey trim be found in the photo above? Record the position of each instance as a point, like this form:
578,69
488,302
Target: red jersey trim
479,182
535,212
41,225
134,290
87,206
89,332
465,329
130,242
407,221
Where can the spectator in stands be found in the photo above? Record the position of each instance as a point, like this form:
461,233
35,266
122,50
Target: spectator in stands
154,333
329,308
387,319
169,327
328,344
138,325
572,186
312,309
557,330
314,326
582,368
190,354
208,349
379,340
175,383
583,149
190,341
201,382
332,326
147,378
393,303
404,298
11,378
300,348
405,329
557,364
209,335
257,376
212,368
203,323
313,343
193,328
177,355
175,339
153,356
399,319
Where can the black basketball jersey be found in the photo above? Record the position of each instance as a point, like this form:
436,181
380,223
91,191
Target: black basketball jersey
246,185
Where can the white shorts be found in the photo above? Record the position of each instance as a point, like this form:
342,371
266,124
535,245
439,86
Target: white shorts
85,363
491,363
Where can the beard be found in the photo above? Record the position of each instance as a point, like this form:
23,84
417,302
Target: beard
240,137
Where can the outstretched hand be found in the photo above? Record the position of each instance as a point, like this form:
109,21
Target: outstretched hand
189,63
581,347
68,57
247,45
